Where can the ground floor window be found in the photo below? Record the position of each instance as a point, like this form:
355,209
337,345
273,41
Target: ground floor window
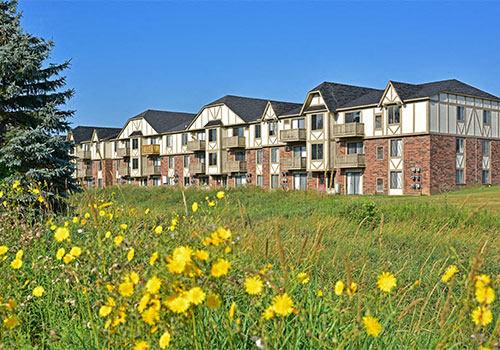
300,182
396,180
240,180
203,180
260,180
156,181
486,176
275,181
459,176
186,180
380,184
144,182
99,182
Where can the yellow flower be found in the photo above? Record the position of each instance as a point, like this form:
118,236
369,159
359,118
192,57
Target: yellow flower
11,304
146,211
352,288
283,305
130,254
268,313
1,194
16,264
194,207
61,234
141,345
202,255
107,234
3,249
223,233
303,277
68,258
143,302
449,273
150,316
153,285
164,340
227,250
75,251
178,304
83,222
118,239
372,326
253,285
75,219
482,280
232,310
102,213
485,295
339,288
211,204
213,301
19,254
40,199
86,215
110,216
196,295
15,184
159,229
123,226
134,277
220,194
110,287
220,268
176,266
320,293
482,316
38,291
126,288
11,321
153,258
386,282
182,253
60,253
105,310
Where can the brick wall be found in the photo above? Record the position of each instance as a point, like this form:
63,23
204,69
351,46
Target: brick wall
266,167
442,166
495,162
374,168
289,177
473,161
416,154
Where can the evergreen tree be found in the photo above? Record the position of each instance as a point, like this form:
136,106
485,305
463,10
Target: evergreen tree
31,121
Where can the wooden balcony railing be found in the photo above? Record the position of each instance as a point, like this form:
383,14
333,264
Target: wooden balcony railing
196,168
124,171
81,173
196,145
151,150
234,142
349,130
294,163
350,161
123,152
152,170
235,166
83,154
293,135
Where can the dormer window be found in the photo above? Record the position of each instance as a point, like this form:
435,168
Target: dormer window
353,117
394,113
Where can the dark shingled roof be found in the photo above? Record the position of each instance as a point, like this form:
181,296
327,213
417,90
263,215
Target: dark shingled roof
136,133
107,133
165,121
285,108
336,95
84,133
213,123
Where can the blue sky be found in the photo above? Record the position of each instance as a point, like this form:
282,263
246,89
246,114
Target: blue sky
128,56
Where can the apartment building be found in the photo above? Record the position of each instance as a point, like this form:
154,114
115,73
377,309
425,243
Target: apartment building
406,139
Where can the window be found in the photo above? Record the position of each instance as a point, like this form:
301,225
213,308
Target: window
135,143
485,148
212,135
259,156
380,184
378,122
240,180
135,163
203,180
353,117
212,158
459,176
397,148
460,113
275,155
394,114
201,135
273,126
380,152
355,148
317,151
169,140
99,183
396,180
99,165
260,180
157,161
186,180
486,176
154,141
186,161
238,131
298,123
486,117
275,181
299,151
317,122
240,156
300,182
184,139
460,146
170,162
257,131
156,181
117,163
200,157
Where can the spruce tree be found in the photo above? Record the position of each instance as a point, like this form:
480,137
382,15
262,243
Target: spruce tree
31,120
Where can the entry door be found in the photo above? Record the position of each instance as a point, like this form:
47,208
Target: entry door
300,182
354,184
321,182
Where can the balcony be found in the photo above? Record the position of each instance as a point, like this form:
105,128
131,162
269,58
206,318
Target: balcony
234,142
196,146
236,166
124,171
151,150
294,163
350,161
123,152
152,170
196,168
81,173
349,130
293,135
83,154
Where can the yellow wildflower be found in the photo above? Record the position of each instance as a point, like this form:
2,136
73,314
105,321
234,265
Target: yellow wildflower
339,288
75,251
372,326
268,313
15,184
352,288
16,264
159,229
3,249
213,301
86,215
253,285
449,273
164,340
134,277
107,234
202,255
386,282
126,288
105,310
482,316
220,268
196,295
19,254
141,345
283,305
482,280
61,234
178,304
194,207
102,213
232,310
110,287
130,254
68,258
220,194
150,316
11,321
211,204
118,239
485,295
75,220
123,226
146,211
153,258
38,291
60,253
320,293
11,304
153,285
176,266
303,277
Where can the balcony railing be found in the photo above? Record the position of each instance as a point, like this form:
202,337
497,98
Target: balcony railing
83,154
124,171
151,150
234,142
197,168
196,146
350,161
152,170
235,166
123,152
349,130
293,135
294,163
84,172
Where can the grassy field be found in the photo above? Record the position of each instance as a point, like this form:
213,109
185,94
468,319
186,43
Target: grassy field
298,244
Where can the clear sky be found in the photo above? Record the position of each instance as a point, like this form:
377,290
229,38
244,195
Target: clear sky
129,56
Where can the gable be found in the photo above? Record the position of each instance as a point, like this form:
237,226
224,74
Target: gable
136,125
314,101
390,96
210,114
269,113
